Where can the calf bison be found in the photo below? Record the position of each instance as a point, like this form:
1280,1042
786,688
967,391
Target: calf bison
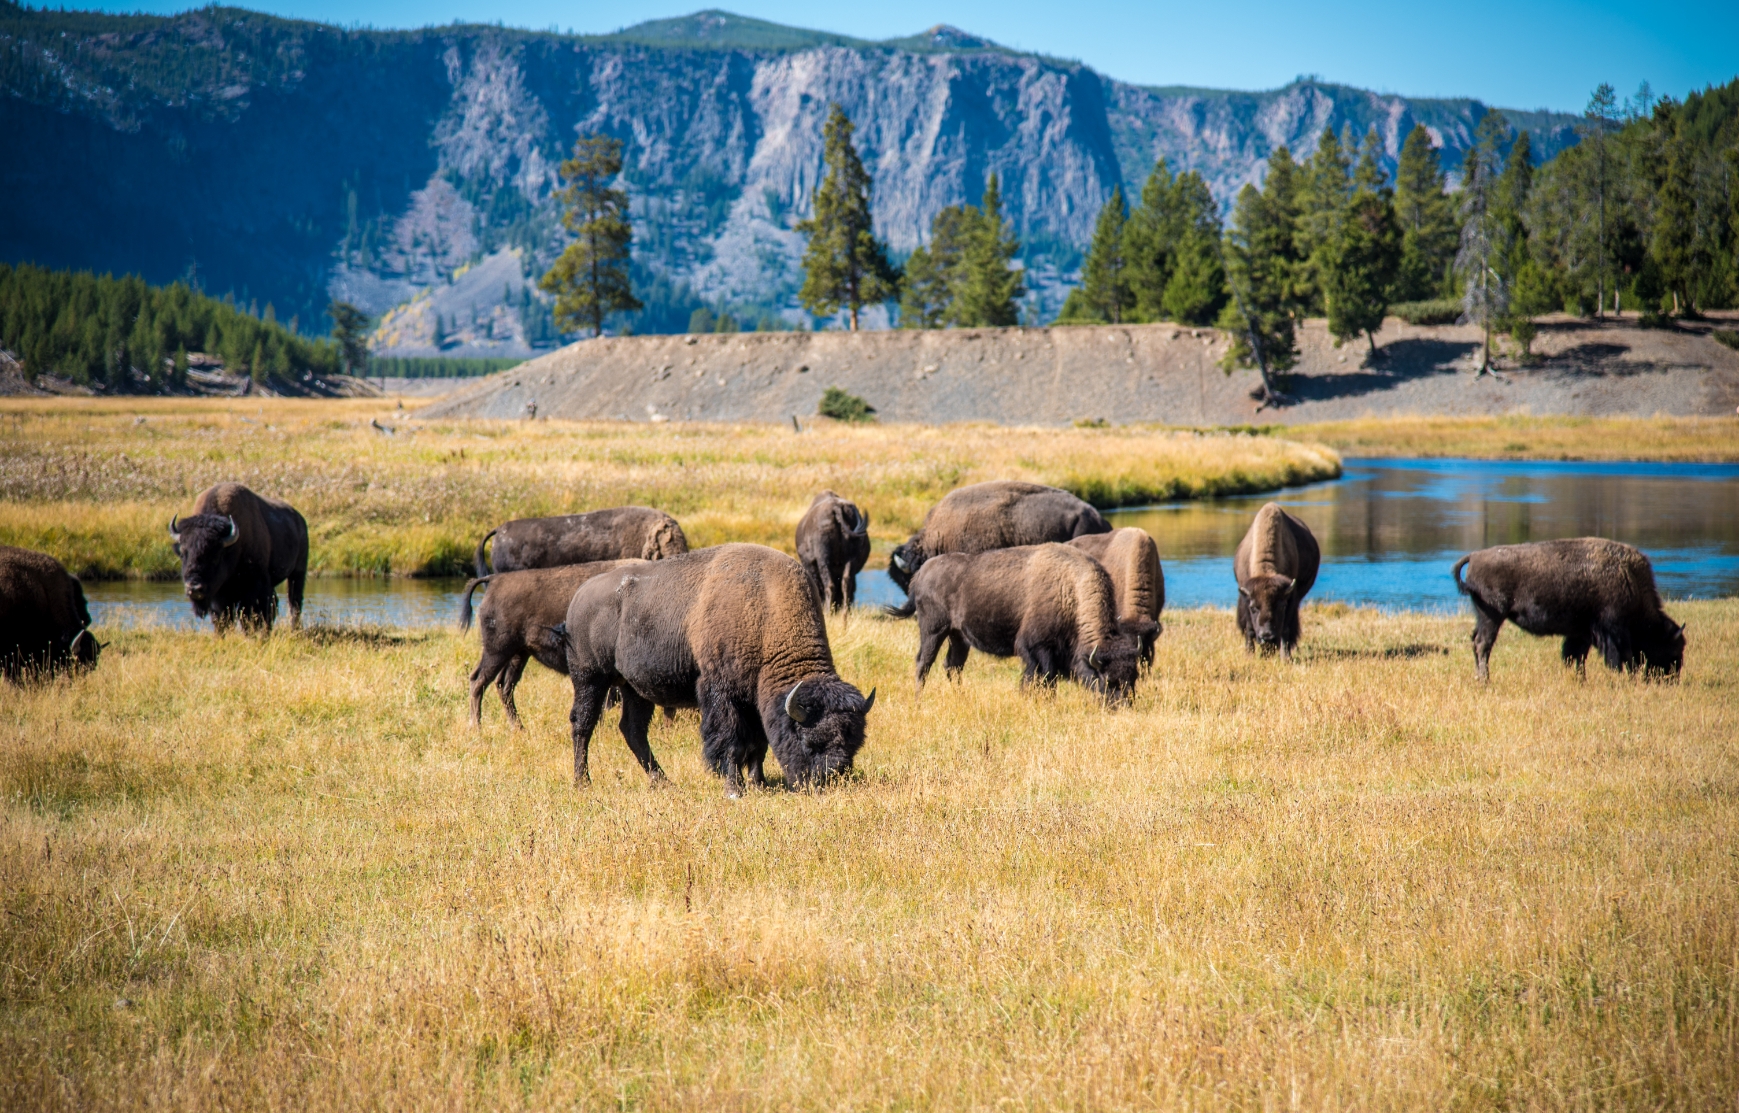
623,533
832,545
235,549
44,622
517,620
733,630
1587,590
1132,559
1276,565
1000,514
1051,605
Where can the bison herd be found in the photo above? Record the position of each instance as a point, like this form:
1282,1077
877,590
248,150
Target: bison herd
614,600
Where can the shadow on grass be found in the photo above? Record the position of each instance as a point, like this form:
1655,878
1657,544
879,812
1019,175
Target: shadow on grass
379,636
1386,653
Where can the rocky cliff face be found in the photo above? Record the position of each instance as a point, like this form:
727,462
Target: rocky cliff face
291,161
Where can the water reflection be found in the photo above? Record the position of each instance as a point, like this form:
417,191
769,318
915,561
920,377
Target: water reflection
416,604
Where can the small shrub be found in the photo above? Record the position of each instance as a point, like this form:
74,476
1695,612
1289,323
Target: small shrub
1652,319
840,406
1092,423
1437,311
1727,336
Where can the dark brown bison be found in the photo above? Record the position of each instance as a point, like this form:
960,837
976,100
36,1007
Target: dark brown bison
517,618
1132,560
832,545
1276,567
44,622
1051,605
733,630
623,533
996,515
236,548
1590,591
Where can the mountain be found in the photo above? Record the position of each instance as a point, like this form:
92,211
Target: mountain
289,161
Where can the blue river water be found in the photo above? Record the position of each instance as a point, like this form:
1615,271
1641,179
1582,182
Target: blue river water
1389,528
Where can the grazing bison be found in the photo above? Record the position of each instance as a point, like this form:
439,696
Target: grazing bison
1051,605
1132,559
1000,514
733,630
832,545
518,617
624,533
1587,590
44,622
1276,566
236,548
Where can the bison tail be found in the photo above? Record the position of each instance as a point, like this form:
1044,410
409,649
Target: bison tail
1455,573
904,610
465,601
481,559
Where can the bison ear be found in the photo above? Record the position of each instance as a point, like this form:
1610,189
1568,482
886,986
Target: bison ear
869,702
794,709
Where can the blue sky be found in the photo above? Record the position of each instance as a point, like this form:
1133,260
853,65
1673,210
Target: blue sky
1520,54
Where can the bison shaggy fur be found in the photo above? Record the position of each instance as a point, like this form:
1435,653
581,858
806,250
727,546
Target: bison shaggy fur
44,622
1276,565
621,533
1587,590
832,545
1131,558
1000,514
236,548
1051,605
734,630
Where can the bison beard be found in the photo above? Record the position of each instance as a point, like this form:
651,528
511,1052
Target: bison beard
734,630
235,549
1592,592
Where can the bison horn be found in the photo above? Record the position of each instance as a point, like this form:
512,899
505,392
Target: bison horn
175,526
870,702
1093,657
235,533
798,715
900,563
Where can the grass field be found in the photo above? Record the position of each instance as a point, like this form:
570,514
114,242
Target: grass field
284,873
94,481
1700,439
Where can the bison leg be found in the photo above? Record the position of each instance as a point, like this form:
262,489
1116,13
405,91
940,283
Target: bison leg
294,589
1291,629
1574,651
956,659
1485,628
929,644
583,719
487,670
723,739
505,683
636,717
1040,663
1617,650
1245,626
850,582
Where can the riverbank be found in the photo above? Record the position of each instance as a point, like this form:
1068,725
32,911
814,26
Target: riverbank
1527,437
388,492
243,872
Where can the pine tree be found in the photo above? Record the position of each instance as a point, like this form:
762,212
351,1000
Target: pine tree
590,279
1598,121
1148,249
1326,189
1426,214
923,291
1104,279
1484,232
1358,265
990,287
1260,252
350,330
844,264
1672,239
1282,189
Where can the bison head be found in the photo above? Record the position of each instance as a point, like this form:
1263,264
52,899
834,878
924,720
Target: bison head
206,545
1110,666
1265,600
1664,652
905,561
818,730
1146,633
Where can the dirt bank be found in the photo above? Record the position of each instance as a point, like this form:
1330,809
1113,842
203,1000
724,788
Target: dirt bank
1131,373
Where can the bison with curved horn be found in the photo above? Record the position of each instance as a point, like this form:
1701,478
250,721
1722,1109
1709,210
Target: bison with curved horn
235,549
621,533
733,630
1275,565
1000,514
1592,592
832,545
1131,559
45,624
1050,605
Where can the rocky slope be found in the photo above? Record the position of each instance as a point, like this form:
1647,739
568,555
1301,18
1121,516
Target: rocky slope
293,161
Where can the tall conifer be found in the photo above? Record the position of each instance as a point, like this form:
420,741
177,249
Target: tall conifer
1260,253
1104,291
990,286
1358,265
1426,214
844,265
590,278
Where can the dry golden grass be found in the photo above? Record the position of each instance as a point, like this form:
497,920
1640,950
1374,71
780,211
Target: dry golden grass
284,874
94,481
1700,439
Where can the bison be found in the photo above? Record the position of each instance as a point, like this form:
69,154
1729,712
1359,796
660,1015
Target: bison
1051,605
733,630
1276,565
44,622
832,545
1590,591
517,618
623,533
236,548
1132,560
1000,514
